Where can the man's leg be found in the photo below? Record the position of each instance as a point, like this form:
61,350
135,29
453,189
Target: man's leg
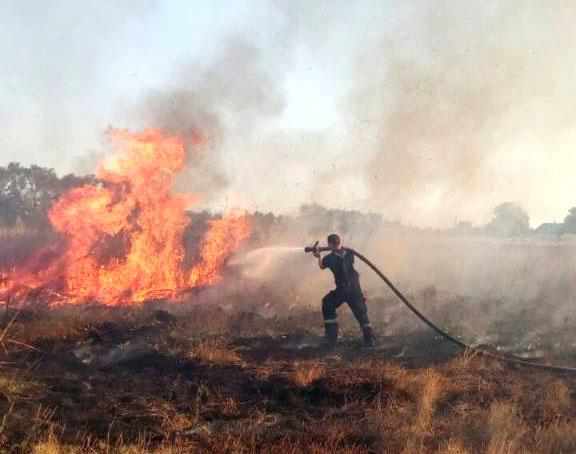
329,305
357,304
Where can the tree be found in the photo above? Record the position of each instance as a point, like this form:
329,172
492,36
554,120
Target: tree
569,225
509,219
27,193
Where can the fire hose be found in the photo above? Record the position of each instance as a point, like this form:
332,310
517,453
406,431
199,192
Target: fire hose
462,345
489,354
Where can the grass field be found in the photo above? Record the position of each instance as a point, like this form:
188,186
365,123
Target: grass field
129,380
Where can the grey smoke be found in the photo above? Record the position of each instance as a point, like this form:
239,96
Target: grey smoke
440,101
441,109
448,107
210,104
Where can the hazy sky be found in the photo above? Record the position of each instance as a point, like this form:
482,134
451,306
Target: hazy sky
428,111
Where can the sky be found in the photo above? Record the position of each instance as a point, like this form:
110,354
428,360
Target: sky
429,112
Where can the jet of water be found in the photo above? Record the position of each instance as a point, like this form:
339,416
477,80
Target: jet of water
262,261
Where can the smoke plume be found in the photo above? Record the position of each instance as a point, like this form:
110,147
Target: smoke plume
453,107
210,104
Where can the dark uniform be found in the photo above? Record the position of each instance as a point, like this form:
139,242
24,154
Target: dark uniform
347,290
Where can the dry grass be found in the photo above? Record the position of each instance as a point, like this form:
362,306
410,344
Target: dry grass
14,387
384,371
170,420
454,446
559,437
414,445
215,352
48,446
52,445
466,360
432,389
209,396
413,419
556,399
506,429
230,443
446,403
307,373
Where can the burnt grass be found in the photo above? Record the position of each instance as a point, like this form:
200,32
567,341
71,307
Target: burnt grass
187,378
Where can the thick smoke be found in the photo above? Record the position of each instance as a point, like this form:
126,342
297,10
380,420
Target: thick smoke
210,104
436,111
454,106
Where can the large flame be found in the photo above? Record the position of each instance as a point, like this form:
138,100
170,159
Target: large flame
125,235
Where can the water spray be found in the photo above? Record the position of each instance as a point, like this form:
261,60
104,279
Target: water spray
315,248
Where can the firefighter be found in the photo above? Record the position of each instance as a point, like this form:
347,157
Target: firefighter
340,261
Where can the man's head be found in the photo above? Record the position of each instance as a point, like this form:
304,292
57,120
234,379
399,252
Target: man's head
334,241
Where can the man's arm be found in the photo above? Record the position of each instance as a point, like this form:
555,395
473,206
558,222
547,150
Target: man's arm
320,261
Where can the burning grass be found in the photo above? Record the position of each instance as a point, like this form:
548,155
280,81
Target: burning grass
122,236
164,388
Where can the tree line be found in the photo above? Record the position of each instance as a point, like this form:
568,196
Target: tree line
27,193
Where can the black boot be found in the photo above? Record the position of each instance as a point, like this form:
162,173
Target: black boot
330,334
368,334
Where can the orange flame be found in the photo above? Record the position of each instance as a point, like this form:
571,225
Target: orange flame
222,239
136,212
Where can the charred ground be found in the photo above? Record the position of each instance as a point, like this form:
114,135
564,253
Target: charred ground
199,378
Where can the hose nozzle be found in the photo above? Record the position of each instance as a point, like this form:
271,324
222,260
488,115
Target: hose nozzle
315,248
